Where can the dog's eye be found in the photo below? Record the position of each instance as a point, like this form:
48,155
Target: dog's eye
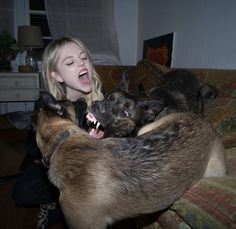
61,112
125,113
108,97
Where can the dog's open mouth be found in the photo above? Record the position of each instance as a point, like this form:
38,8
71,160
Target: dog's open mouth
96,129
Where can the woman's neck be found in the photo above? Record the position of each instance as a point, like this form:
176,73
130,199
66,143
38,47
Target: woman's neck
74,95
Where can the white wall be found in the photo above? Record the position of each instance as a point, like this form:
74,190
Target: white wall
205,30
126,15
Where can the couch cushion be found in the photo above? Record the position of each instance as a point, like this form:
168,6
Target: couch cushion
112,76
211,203
231,161
223,80
149,74
221,112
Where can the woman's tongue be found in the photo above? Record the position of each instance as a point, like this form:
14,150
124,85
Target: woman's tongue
84,78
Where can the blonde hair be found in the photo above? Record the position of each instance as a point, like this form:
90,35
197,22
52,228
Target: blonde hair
50,60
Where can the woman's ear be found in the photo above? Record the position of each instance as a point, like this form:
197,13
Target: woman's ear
56,77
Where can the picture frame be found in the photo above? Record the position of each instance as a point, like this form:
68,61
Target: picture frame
159,49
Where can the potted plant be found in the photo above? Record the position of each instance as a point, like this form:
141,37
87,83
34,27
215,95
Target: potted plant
8,50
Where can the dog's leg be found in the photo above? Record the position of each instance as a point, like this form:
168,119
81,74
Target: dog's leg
156,124
83,219
83,214
216,164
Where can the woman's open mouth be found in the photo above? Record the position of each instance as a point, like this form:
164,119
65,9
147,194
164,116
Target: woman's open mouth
84,77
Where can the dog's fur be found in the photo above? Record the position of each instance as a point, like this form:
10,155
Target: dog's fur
102,180
122,114
181,91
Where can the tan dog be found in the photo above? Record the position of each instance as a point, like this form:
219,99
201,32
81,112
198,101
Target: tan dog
103,180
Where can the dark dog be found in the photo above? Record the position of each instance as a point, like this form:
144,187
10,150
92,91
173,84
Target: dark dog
122,114
181,91
103,180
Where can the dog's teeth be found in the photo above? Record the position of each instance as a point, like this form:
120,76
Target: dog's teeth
98,124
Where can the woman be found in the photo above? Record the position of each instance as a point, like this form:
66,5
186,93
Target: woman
68,73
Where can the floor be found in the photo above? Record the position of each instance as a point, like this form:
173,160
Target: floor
12,144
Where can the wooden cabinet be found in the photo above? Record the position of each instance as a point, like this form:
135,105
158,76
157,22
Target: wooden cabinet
18,91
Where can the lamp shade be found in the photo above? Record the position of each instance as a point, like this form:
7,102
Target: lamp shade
30,36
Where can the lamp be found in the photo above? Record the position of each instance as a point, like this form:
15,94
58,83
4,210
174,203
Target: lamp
29,38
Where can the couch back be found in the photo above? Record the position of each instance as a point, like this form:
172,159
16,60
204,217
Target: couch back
148,74
220,111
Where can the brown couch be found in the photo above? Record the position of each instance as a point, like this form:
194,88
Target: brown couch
211,203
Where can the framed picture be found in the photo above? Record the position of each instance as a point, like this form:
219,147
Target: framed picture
159,49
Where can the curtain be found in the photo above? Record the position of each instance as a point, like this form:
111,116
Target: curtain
92,21
7,16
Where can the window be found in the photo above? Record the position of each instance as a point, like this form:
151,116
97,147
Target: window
38,17
102,43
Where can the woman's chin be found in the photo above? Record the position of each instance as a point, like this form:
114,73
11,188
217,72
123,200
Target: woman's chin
87,89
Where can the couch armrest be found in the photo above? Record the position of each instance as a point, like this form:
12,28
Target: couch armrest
208,204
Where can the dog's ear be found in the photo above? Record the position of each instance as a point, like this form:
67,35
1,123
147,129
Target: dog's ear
207,91
48,101
124,83
150,108
22,120
27,120
47,98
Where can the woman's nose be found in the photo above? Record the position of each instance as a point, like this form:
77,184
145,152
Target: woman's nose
80,62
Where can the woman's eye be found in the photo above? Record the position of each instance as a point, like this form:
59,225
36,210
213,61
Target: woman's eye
125,113
70,63
84,58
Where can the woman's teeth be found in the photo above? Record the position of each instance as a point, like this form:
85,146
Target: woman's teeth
82,73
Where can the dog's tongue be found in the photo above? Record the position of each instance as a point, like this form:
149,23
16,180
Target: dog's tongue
96,133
